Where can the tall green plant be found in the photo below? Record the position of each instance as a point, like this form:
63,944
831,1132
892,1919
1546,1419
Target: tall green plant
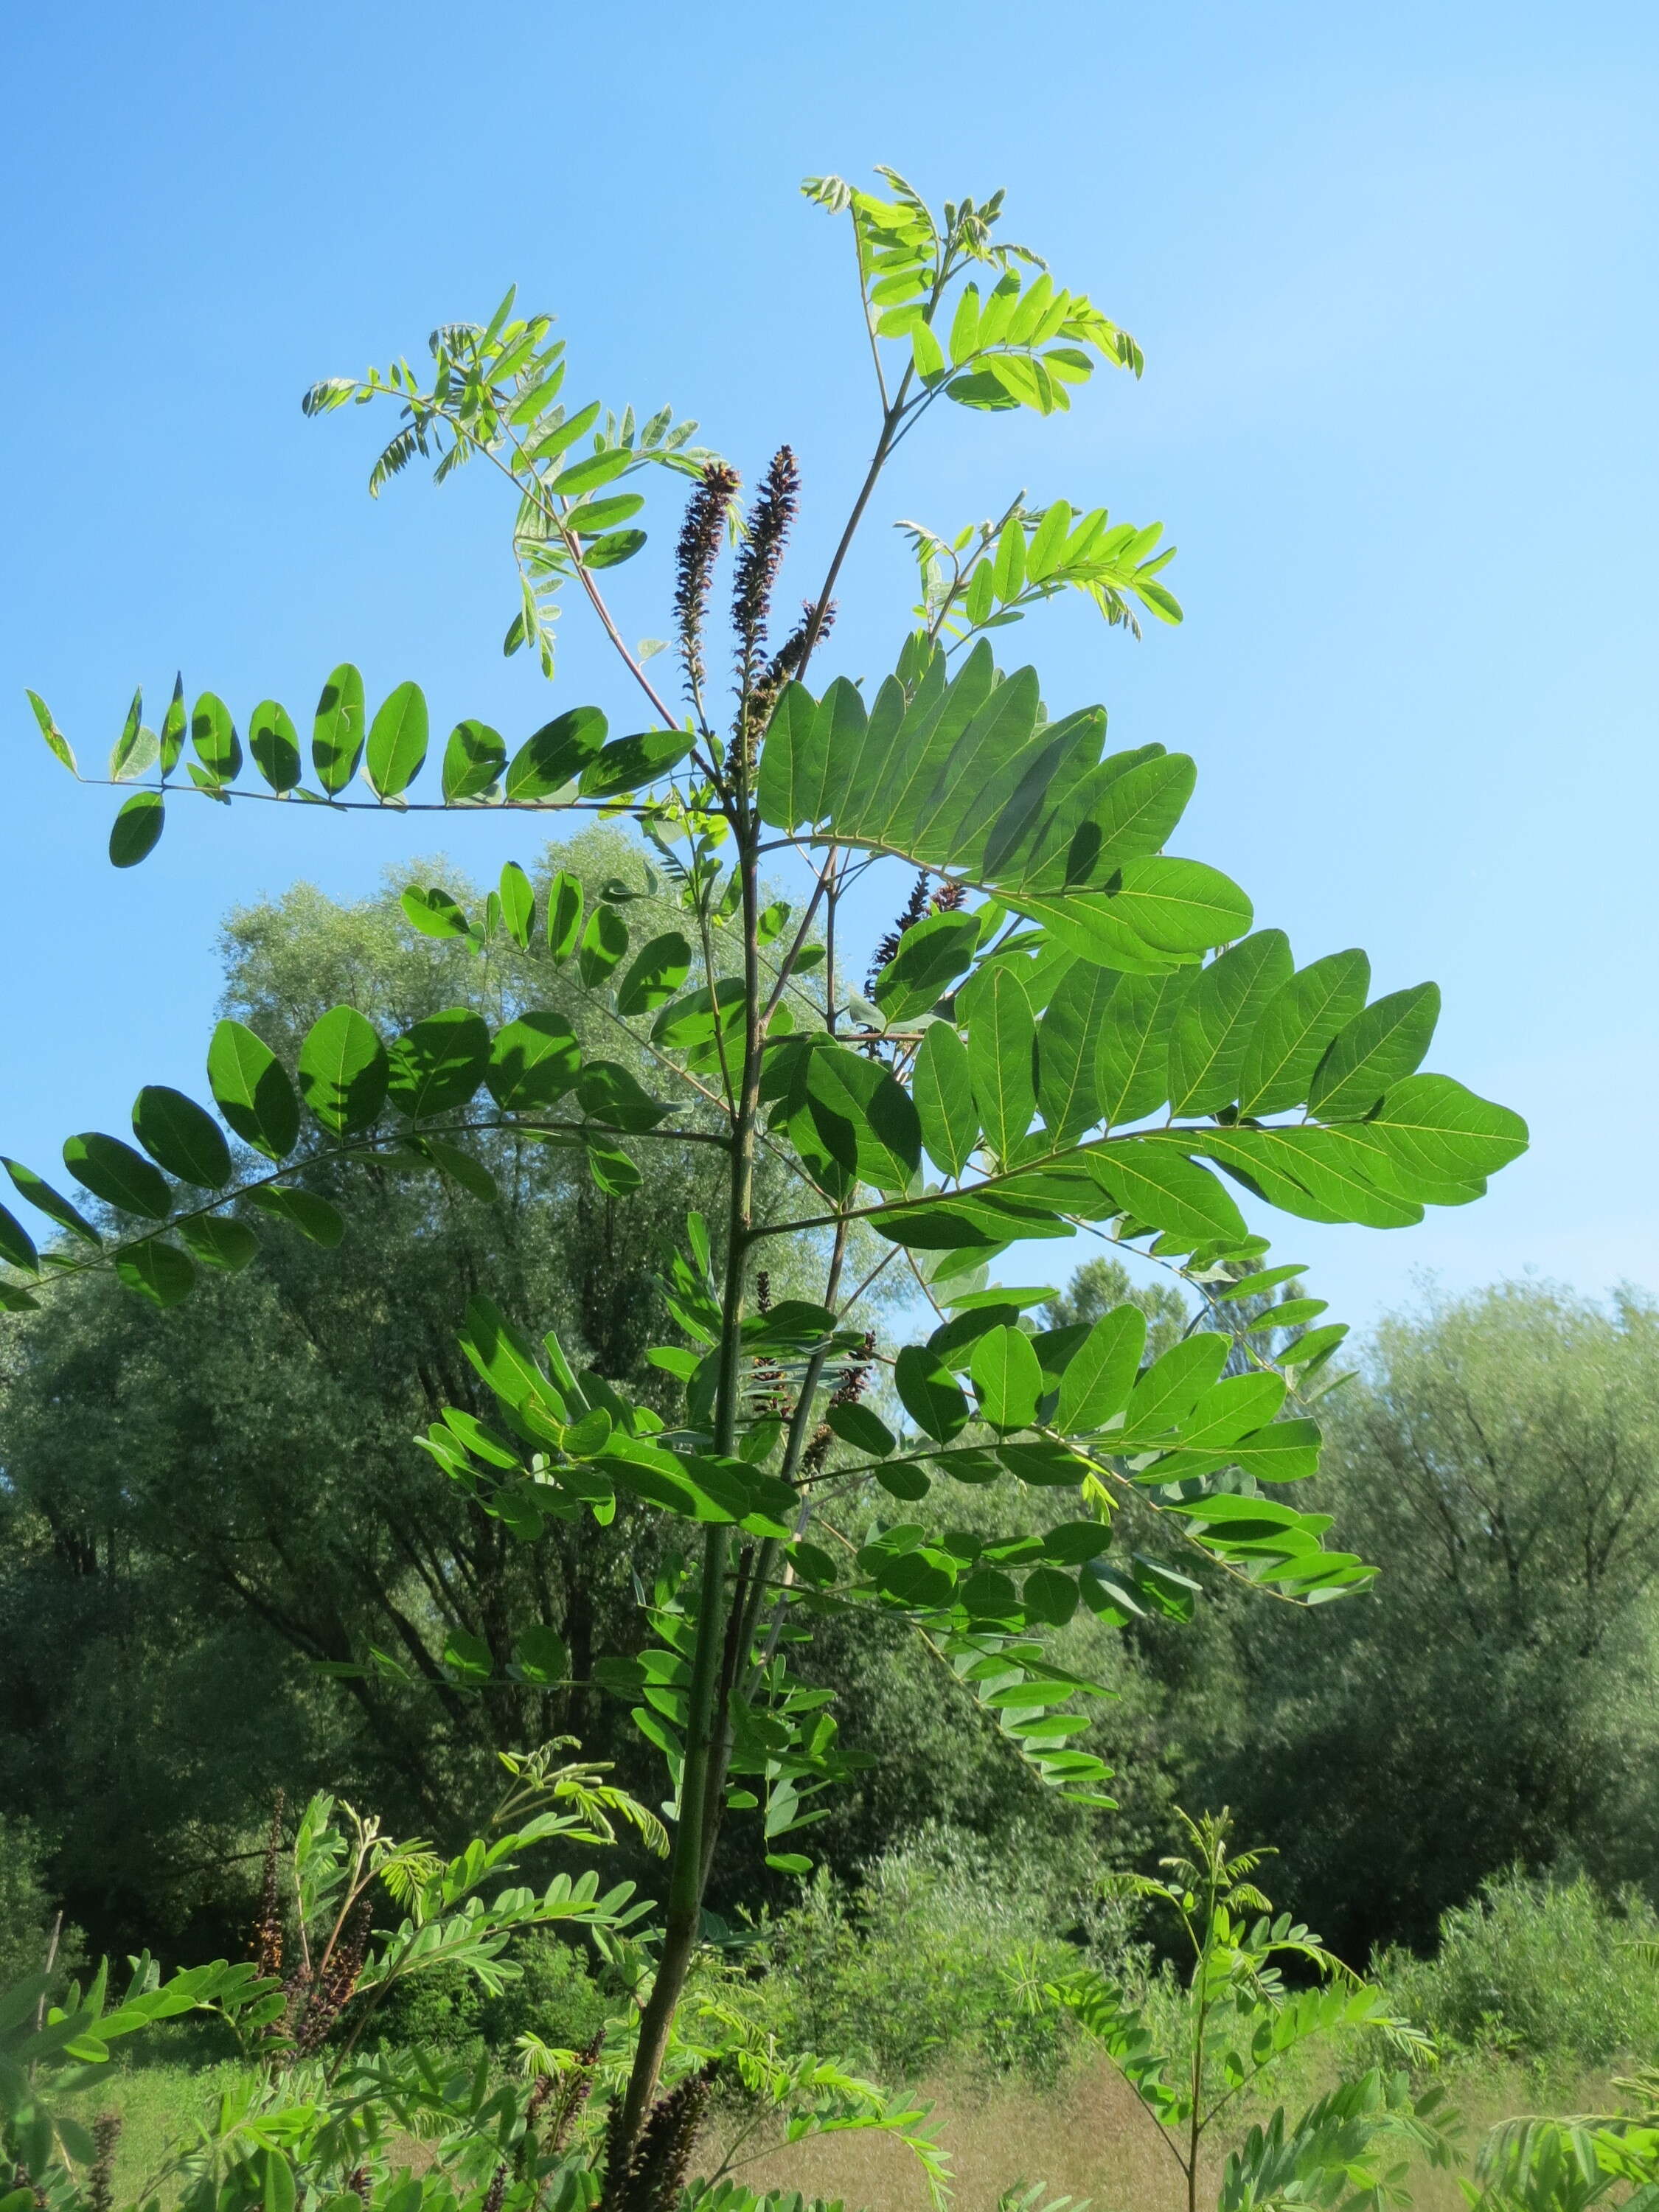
1069,1026
1238,2022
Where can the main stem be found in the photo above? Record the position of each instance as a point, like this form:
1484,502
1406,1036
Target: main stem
706,1742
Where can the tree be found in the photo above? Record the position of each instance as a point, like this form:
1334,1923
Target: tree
1489,1702
1048,992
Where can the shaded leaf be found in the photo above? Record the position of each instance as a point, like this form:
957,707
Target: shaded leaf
343,1071
437,1064
181,1137
252,1090
119,1176
157,1270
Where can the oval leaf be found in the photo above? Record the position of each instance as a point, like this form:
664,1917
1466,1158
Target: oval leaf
120,1176
136,830
158,1271
342,1070
474,758
656,972
559,750
219,1241
336,734
397,741
217,746
533,1062
252,1090
929,1393
437,1065
275,745
181,1137
1008,1378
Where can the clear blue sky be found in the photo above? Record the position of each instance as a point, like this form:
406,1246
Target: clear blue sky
1394,272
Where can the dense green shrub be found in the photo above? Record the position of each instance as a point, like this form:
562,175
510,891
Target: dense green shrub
936,1958
1552,1970
554,1997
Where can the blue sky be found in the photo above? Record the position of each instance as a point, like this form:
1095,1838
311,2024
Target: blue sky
1393,273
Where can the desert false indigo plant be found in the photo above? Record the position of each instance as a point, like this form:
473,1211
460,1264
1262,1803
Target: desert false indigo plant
1071,1026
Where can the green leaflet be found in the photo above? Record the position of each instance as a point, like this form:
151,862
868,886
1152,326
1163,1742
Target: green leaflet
628,764
606,1090
1152,1183
1132,1054
275,745
56,1207
57,742
503,1357
864,1121
218,1240
1008,1378
1068,1042
136,829
930,1394
1102,1372
857,1425
1230,1409
172,743
945,765
1287,1451
604,942
687,1022
436,1065
790,775
1001,1053
1295,1026
612,1170
157,1270
398,742
313,1216
943,1092
1031,811
1375,1049
433,912
252,1090
17,1245
931,955
1163,914
1217,1017
657,971
1436,1134
1307,1171
460,1165
1116,815
336,734
474,760
555,755
181,1137
213,733
564,916
343,1071
518,902
120,1176
1173,1385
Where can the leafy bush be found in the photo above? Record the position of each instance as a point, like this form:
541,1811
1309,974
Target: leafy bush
556,1997
938,1957
1552,1970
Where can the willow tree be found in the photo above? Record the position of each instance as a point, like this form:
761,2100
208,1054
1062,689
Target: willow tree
1070,1025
